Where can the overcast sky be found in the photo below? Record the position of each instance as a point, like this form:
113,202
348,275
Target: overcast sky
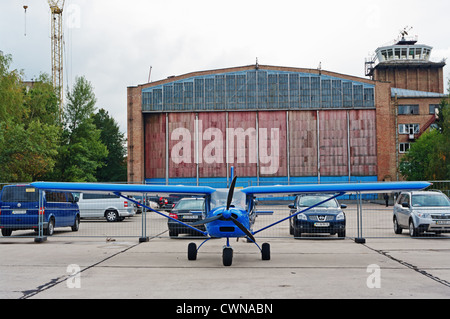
113,43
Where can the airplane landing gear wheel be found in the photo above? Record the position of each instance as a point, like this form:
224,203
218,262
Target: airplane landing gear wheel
192,251
227,256
265,251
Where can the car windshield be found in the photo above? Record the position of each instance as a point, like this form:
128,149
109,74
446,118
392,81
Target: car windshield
308,201
430,200
20,194
219,198
191,204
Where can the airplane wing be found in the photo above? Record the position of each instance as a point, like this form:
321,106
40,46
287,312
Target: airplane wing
381,187
130,189
336,189
125,188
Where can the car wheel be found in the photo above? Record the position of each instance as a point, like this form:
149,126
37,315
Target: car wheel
192,251
6,232
397,228
341,233
297,232
173,233
50,227
413,232
111,216
76,226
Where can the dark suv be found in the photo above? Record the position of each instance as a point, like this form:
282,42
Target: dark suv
325,218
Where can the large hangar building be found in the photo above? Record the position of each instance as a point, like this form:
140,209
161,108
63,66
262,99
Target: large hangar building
280,125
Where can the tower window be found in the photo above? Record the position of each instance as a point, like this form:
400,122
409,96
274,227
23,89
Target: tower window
408,109
403,147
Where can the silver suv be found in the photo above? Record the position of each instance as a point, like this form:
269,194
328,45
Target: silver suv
422,211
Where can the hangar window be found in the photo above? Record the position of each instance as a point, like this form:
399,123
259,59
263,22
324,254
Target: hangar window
369,97
326,93
157,99
315,92
209,93
231,91
257,89
358,95
294,97
178,96
220,92
283,90
262,89
273,90
305,92
241,88
348,94
199,94
188,96
337,93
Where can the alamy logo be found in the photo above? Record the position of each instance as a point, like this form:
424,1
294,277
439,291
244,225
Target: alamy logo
74,280
374,279
233,140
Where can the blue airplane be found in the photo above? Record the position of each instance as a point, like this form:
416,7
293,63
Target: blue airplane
228,212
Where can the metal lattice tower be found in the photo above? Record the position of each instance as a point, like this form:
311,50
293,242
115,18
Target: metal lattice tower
56,8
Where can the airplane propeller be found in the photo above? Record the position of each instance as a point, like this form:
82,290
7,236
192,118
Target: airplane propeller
226,214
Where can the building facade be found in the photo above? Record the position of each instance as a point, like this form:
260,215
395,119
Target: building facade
277,125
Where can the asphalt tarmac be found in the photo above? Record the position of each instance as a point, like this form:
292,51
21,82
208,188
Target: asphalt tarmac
93,268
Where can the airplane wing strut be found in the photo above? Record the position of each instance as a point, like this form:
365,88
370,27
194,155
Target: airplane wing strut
159,213
297,213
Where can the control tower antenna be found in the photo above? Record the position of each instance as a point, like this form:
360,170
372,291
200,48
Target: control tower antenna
25,7
405,31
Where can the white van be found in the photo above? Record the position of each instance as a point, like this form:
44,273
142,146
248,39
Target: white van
112,207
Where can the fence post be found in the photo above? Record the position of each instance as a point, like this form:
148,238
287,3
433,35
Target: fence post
40,238
359,239
144,238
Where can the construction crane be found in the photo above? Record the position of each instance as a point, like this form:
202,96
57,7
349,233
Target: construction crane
56,8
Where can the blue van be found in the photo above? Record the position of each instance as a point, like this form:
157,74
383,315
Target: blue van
19,210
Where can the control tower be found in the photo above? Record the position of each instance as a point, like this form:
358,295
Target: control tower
406,65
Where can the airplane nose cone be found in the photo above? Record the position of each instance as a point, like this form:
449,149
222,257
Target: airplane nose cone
226,214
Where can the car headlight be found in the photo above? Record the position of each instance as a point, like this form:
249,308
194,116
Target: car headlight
302,216
423,215
340,216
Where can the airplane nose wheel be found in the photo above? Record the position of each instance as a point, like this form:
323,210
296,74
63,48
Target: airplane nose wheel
227,256
192,251
265,251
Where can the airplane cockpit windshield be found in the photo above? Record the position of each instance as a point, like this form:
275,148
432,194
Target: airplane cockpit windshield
219,198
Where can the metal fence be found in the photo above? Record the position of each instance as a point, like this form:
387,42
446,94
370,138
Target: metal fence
112,218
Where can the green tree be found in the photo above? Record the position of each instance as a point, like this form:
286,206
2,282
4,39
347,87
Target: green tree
11,90
29,127
115,166
81,152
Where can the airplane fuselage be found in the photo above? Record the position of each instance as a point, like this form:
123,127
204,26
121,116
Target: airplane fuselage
224,228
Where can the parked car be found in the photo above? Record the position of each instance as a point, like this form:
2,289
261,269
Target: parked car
109,206
145,201
325,218
422,211
187,210
162,201
19,210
